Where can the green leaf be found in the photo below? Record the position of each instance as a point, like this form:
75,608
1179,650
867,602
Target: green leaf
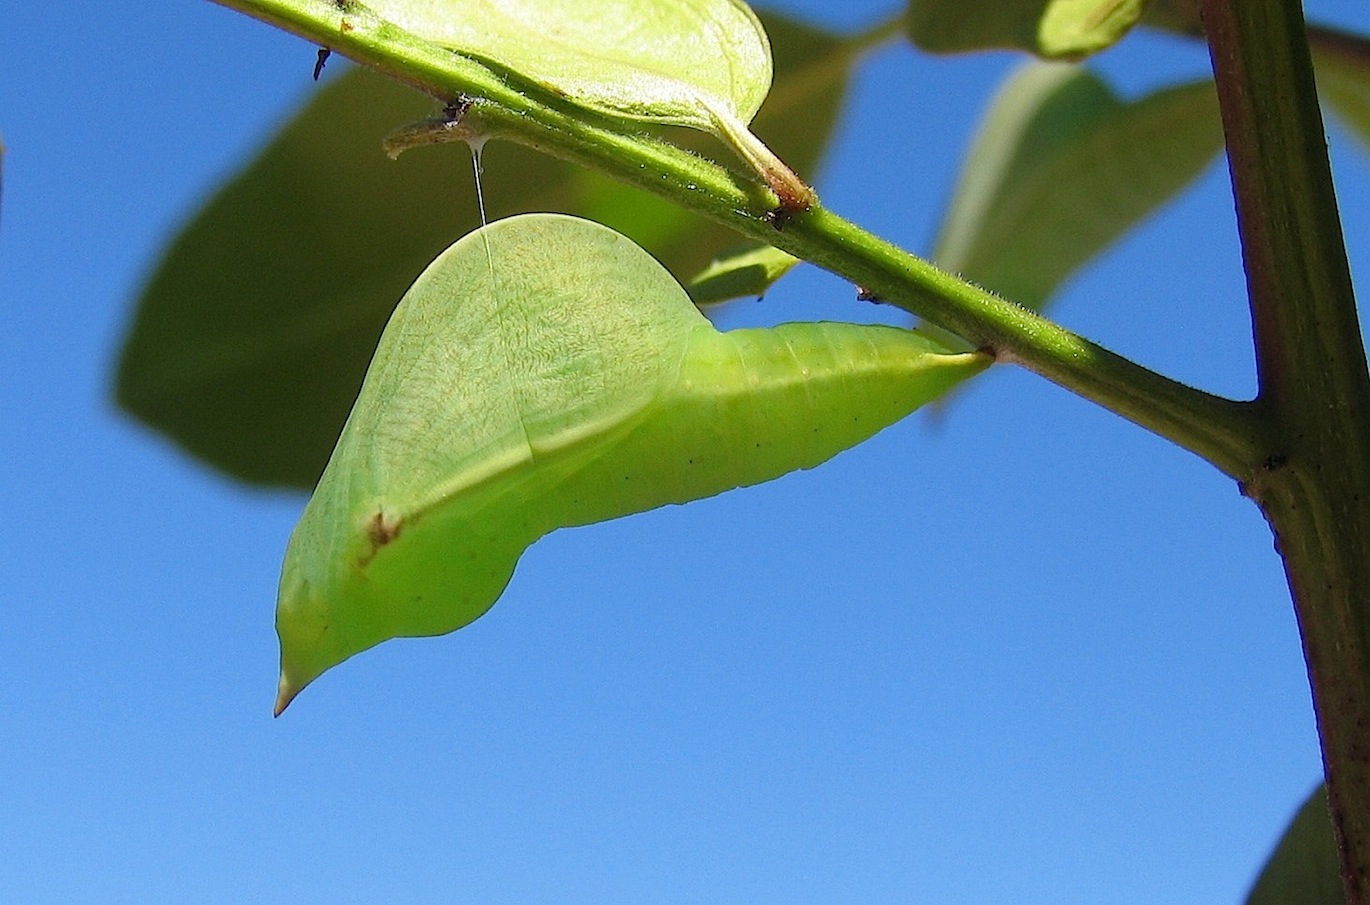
1180,17
702,64
959,26
679,61
252,336
1061,168
1052,29
1071,29
1343,72
812,71
1303,869
251,339
746,271
546,372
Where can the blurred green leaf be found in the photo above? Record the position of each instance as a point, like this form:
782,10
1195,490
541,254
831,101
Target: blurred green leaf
1343,72
1061,168
959,26
1051,29
253,334
1303,869
1181,17
746,271
1071,29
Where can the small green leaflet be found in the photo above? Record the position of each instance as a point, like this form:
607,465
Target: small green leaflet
546,372
1071,29
1051,29
704,64
744,271
1303,869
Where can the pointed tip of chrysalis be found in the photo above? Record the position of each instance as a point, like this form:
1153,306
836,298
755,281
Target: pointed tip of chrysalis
300,665
288,688
285,693
302,621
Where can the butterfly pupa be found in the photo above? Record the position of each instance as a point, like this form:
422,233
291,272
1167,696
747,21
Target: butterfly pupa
571,382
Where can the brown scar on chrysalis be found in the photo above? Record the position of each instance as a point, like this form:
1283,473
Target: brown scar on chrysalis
381,529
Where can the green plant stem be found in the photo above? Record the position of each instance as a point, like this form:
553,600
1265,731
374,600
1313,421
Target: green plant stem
1220,430
1314,390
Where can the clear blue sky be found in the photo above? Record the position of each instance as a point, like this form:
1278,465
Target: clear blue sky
1028,654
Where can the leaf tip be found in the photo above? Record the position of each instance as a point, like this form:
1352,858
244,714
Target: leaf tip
1075,29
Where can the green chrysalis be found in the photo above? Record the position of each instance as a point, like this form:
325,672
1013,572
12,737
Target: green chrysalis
546,372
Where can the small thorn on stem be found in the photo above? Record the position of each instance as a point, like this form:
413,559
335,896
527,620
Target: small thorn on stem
324,54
